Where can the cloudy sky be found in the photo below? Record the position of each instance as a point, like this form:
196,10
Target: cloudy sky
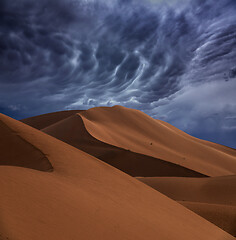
175,60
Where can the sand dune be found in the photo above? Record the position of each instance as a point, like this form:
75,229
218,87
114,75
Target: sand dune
84,198
218,190
75,194
136,131
45,120
72,131
212,198
223,216
119,133
222,148
17,151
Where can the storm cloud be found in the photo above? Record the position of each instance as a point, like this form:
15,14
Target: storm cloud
174,60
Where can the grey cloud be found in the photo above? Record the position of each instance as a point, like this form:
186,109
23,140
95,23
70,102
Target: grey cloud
206,111
62,54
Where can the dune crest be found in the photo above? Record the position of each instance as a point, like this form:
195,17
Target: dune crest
119,133
73,131
47,119
17,151
136,131
86,198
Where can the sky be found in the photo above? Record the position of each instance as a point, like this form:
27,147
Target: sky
175,60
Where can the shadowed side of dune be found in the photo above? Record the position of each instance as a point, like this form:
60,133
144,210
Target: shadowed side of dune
72,131
87,199
217,190
134,130
223,216
212,198
16,151
44,120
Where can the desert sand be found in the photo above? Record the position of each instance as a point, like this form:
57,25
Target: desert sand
79,183
72,130
45,120
212,198
115,128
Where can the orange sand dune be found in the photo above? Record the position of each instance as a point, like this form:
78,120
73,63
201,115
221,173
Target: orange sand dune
212,198
119,133
84,198
72,131
45,120
217,146
26,155
217,190
136,131
223,216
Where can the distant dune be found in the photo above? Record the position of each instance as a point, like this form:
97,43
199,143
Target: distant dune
132,130
223,216
212,198
73,131
45,120
52,190
136,131
218,190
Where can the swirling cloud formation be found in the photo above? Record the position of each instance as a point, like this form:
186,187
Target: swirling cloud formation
174,60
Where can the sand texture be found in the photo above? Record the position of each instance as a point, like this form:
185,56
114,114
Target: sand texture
86,180
212,198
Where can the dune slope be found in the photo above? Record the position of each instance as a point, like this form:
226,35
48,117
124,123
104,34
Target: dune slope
136,131
212,198
225,149
72,131
45,120
223,216
17,151
119,133
87,199
218,190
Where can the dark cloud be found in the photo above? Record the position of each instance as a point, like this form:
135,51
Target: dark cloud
156,56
